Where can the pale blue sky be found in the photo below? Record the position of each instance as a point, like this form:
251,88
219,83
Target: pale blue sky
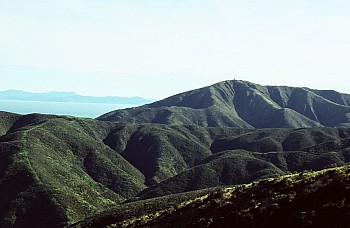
159,48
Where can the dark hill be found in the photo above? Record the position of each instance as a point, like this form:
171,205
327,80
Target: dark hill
259,154
6,121
243,104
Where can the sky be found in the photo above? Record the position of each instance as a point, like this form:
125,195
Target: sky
158,48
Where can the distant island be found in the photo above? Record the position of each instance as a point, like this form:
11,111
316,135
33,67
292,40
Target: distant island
18,95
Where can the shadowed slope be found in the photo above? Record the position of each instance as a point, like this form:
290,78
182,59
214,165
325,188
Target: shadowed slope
259,154
161,151
6,121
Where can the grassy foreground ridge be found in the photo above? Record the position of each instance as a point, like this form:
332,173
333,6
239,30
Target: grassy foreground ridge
308,199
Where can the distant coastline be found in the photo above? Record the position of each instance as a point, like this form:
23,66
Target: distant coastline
88,110
64,103
18,95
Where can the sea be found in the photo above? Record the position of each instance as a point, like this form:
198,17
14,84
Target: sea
89,110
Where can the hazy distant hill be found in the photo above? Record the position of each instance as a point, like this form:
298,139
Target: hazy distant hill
243,104
56,170
69,97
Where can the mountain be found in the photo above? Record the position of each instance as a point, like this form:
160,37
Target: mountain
69,97
57,170
61,170
246,105
308,199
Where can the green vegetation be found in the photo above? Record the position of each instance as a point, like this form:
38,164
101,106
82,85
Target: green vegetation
58,170
308,199
6,121
71,168
259,154
244,104
139,208
66,158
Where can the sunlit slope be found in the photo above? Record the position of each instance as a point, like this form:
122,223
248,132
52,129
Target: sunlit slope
61,166
243,104
308,199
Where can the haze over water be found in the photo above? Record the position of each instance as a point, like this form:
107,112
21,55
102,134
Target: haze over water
91,110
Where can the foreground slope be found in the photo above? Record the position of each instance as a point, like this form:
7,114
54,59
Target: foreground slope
243,104
309,199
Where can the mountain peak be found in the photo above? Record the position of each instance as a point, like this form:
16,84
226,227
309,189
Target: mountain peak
238,103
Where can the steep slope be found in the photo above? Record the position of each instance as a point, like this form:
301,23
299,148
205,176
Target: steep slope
244,104
260,154
6,121
310,199
161,151
60,166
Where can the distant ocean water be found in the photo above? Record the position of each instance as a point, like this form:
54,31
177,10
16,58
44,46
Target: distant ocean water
91,110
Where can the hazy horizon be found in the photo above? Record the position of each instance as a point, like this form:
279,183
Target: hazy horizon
157,49
150,98
66,92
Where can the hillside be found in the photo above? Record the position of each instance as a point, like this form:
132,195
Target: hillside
243,104
309,199
57,170
259,154
6,121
